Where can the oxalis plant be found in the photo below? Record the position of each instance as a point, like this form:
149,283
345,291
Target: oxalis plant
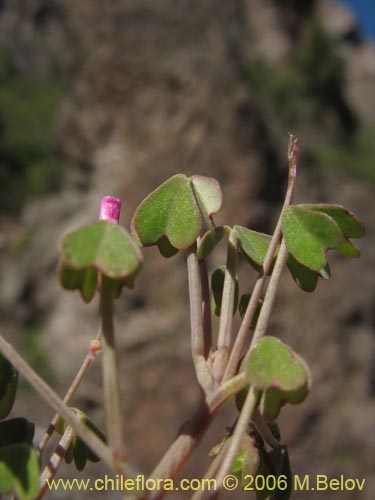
258,371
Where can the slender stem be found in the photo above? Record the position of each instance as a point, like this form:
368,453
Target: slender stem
181,449
110,374
192,432
226,314
55,461
69,394
195,295
239,431
212,469
49,395
206,309
269,299
196,320
226,390
264,431
293,153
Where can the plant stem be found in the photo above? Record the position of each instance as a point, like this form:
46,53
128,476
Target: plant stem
269,298
55,461
226,390
213,468
196,320
110,374
195,295
69,394
264,431
181,449
226,313
49,395
206,308
293,153
239,431
192,432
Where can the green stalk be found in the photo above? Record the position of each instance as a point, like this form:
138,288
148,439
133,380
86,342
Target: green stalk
110,374
181,449
55,461
226,313
206,309
192,431
49,395
236,438
69,395
227,389
196,320
264,431
270,296
237,350
212,469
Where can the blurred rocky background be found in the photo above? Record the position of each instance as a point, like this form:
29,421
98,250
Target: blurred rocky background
113,98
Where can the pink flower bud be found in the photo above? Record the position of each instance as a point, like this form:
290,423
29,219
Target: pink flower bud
110,208
95,347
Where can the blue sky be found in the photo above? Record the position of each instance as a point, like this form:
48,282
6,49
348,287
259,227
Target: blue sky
365,12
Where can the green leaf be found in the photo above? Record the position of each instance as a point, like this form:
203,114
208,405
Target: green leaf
78,450
165,248
91,456
247,461
244,302
209,241
282,375
273,364
101,246
16,430
208,194
174,211
253,245
170,211
277,467
80,453
217,448
69,455
217,285
85,280
349,224
325,272
8,386
273,399
19,471
309,234
302,275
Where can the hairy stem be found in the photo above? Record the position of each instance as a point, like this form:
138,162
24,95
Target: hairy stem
49,395
206,310
192,432
196,320
269,298
212,469
293,153
226,390
55,461
264,431
239,431
110,374
226,313
69,394
179,452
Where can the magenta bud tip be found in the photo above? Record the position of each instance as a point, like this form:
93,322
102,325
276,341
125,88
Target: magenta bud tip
110,208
